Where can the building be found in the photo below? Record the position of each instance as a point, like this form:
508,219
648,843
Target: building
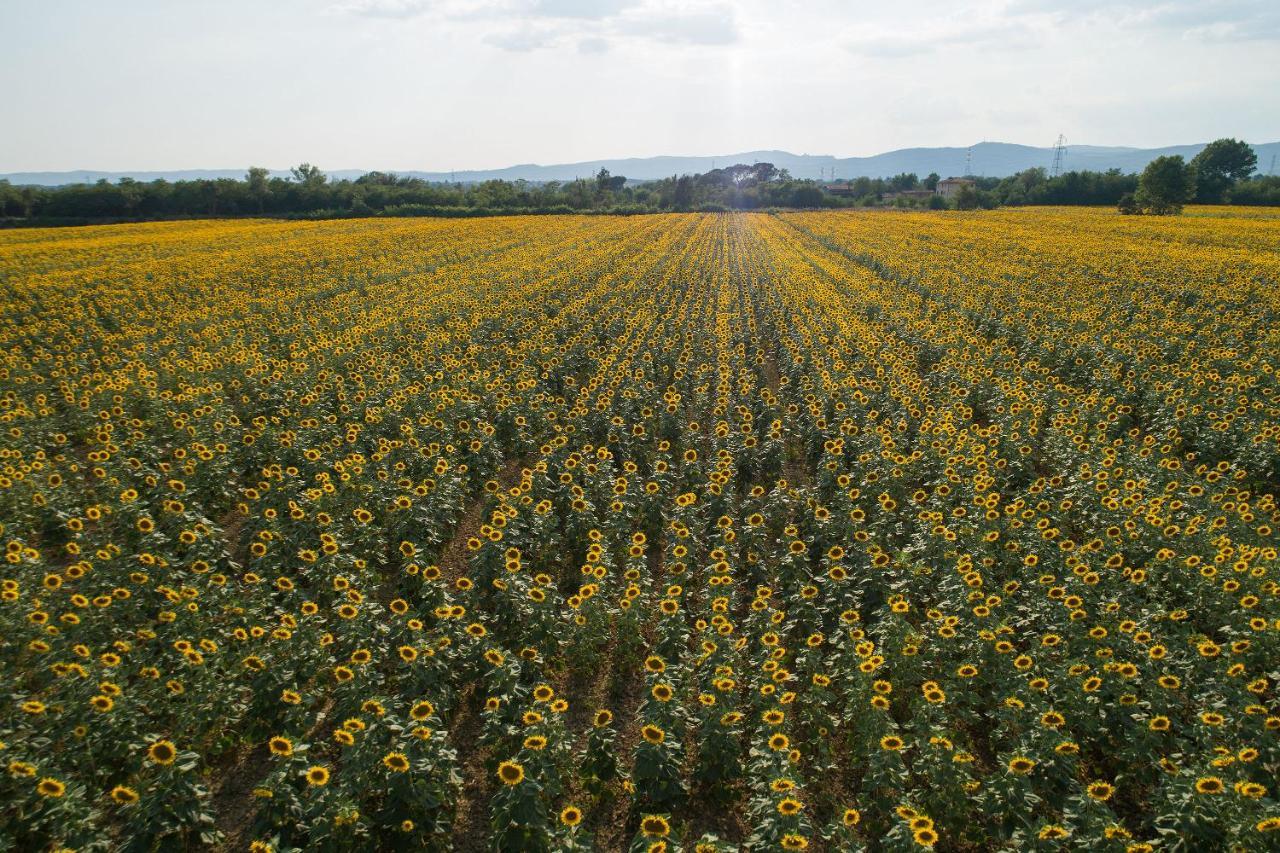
838,188
950,187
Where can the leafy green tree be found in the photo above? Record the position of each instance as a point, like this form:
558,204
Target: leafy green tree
683,196
609,183
256,178
931,181
807,195
309,176
1220,165
1165,185
966,198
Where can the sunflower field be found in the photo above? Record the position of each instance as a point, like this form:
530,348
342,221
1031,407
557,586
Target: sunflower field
700,532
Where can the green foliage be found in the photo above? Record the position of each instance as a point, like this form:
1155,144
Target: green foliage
1223,174
1166,184
807,195
1222,164
966,198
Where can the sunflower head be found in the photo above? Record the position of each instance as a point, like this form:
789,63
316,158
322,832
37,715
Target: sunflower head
50,787
510,773
162,752
655,826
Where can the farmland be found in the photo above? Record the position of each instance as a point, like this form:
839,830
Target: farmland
674,532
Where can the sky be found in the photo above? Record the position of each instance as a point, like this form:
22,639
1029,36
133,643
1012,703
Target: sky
459,84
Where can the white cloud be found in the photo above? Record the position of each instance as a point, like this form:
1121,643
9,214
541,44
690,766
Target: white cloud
583,9
709,24
522,40
384,8
1194,20
887,42
526,25
593,44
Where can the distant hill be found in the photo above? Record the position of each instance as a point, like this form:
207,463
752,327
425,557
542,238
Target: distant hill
994,159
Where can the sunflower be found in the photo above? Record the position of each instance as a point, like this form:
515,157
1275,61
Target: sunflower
280,745
124,795
655,826
1020,765
1100,791
892,743
1209,785
162,752
317,776
790,806
422,710
652,733
571,816
50,787
926,837
510,773
791,841
396,762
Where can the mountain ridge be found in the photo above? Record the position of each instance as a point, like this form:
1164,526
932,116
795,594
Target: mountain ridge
992,159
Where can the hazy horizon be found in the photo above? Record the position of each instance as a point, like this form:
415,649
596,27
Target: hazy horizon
440,85
339,167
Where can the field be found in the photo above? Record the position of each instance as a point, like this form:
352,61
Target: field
676,532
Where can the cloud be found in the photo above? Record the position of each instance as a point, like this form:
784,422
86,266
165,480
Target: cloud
522,40
528,25
714,24
384,8
896,44
1194,20
453,10
594,10
593,44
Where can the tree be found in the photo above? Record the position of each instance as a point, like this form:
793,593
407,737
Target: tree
309,176
1165,185
1128,205
256,178
807,195
966,197
609,183
766,172
683,196
931,181
1220,165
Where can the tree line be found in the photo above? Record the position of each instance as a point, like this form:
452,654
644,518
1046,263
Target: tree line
1222,173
